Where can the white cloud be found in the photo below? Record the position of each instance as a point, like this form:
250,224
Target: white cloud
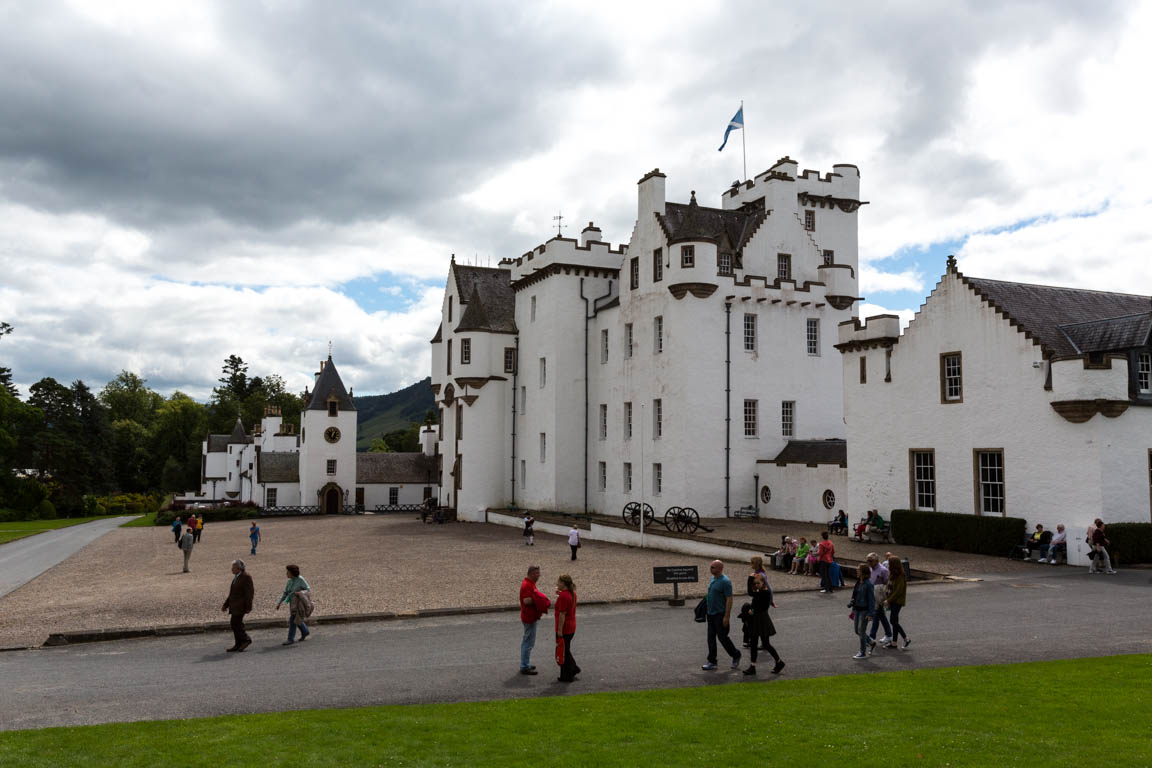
873,280
867,310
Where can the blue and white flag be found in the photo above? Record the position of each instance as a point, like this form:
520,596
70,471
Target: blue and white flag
735,124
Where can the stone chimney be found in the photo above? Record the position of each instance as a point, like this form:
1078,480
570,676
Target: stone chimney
651,195
590,233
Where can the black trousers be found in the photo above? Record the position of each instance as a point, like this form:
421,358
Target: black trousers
569,669
238,629
176,533
574,547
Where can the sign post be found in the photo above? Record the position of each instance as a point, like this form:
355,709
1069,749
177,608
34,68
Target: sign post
675,575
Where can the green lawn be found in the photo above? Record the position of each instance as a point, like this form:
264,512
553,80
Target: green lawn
144,521
1079,712
13,531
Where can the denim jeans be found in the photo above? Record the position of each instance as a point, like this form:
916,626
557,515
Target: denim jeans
292,622
526,645
878,620
897,630
861,626
1102,561
716,629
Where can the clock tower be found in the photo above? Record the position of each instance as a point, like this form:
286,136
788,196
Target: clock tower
328,444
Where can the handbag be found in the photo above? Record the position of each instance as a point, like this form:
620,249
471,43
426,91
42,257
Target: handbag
560,651
701,610
1091,554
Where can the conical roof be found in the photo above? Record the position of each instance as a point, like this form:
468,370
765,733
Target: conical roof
328,384
238,435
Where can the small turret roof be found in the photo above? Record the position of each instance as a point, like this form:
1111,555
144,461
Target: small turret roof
329,385
238,435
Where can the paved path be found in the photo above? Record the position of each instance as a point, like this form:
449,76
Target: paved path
1046,616
24,559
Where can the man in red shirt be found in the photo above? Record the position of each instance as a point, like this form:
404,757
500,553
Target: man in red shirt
825,556
533,605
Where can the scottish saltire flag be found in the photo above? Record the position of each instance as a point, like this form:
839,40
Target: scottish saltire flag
735,124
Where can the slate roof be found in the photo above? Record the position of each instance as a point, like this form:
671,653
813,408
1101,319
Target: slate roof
490,304
1060,319
278,467
329,383
814,452
238,435
218,443
395,468
682,223
439,337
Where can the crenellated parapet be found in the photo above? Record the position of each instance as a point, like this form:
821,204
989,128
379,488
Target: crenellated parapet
875,331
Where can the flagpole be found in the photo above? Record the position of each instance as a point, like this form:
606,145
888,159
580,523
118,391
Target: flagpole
743,134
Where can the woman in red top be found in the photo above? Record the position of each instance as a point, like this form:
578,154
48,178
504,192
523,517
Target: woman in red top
566,625
825,556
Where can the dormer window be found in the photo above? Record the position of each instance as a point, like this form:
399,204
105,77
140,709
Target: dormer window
724,263
333,408
687,256
1144,372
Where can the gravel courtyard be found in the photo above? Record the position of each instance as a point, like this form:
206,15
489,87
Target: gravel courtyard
132,577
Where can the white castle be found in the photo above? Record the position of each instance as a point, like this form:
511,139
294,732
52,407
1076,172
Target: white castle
689,368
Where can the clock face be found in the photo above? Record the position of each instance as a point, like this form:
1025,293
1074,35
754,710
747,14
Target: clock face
332,434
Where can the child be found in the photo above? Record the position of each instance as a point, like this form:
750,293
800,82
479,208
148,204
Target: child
863,607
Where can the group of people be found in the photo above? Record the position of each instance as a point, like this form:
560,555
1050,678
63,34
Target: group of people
1053,546
297,594
758,626
534,605
801,557
878,597
194,525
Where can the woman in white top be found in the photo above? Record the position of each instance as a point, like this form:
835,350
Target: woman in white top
574,540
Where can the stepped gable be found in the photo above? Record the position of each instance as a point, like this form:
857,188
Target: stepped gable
1068,322
329,384
493,286
813,452
693,222
238,435
278,467
413,468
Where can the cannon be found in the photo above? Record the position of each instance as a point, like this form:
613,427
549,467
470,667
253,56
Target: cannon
678,519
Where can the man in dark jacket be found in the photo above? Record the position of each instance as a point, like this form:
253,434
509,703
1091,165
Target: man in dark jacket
239,602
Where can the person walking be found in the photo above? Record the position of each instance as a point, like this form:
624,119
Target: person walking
895,599
199,526
566,626
863,606
298,595
825,556
176,526
756,566
533,605
186,544
1101,563
238,603
879,581
719,604
760,625
529,537
254,535
574,540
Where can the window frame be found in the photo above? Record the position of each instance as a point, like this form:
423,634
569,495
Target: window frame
657,265
751,418
603,346
602,476
978,482
750,332
658,335
627,477
864,368
394,496
532,310
687,257
788,418
603,421
809,220
914,479
628,420
829,256
657,418
509,359
628,340
812,336
783,266
634,273
543,372
944,357
465,351
330,467
270,497
724,263
1144,372
543,447
657,478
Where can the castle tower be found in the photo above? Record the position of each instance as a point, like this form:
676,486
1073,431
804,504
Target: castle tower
328,443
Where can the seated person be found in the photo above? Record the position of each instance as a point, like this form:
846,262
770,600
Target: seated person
839,524
862,526
876,523
810,567
801,556
1038,540
1057,547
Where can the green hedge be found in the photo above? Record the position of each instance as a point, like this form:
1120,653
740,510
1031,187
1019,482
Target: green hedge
213,515
958,532
1131,542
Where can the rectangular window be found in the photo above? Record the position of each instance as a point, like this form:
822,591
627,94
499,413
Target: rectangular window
657,419
812,336
888,365
923,464
810,220
749,333
393,497
628,340
627,421
658,334
532,310
863,369
331,466
543,372
523,400
1144,372
509,359
751,418
657,479
657,265
783,266
603,421
449,359
543,448
788,418
459,420
465,351
724,263
270,497
627,477
603,346
439,423
951,379
687,256
634,272
989,466
602,475
450,308
829,257
523,473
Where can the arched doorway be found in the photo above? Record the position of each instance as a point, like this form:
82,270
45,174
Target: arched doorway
333,500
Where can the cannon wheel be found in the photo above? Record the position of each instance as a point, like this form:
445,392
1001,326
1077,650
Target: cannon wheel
632,513
691,519
649,515
674,520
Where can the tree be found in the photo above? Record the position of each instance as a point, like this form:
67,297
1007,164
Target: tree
234,382
398,441
127,397
6,373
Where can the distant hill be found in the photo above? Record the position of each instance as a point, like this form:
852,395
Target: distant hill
376,415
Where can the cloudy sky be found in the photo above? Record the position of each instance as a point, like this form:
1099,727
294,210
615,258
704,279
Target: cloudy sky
182,183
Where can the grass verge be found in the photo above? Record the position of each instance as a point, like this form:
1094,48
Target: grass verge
963,716
18,530
144,521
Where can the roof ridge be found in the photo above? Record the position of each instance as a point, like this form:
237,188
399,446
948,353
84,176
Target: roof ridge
1108,319
1058,287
